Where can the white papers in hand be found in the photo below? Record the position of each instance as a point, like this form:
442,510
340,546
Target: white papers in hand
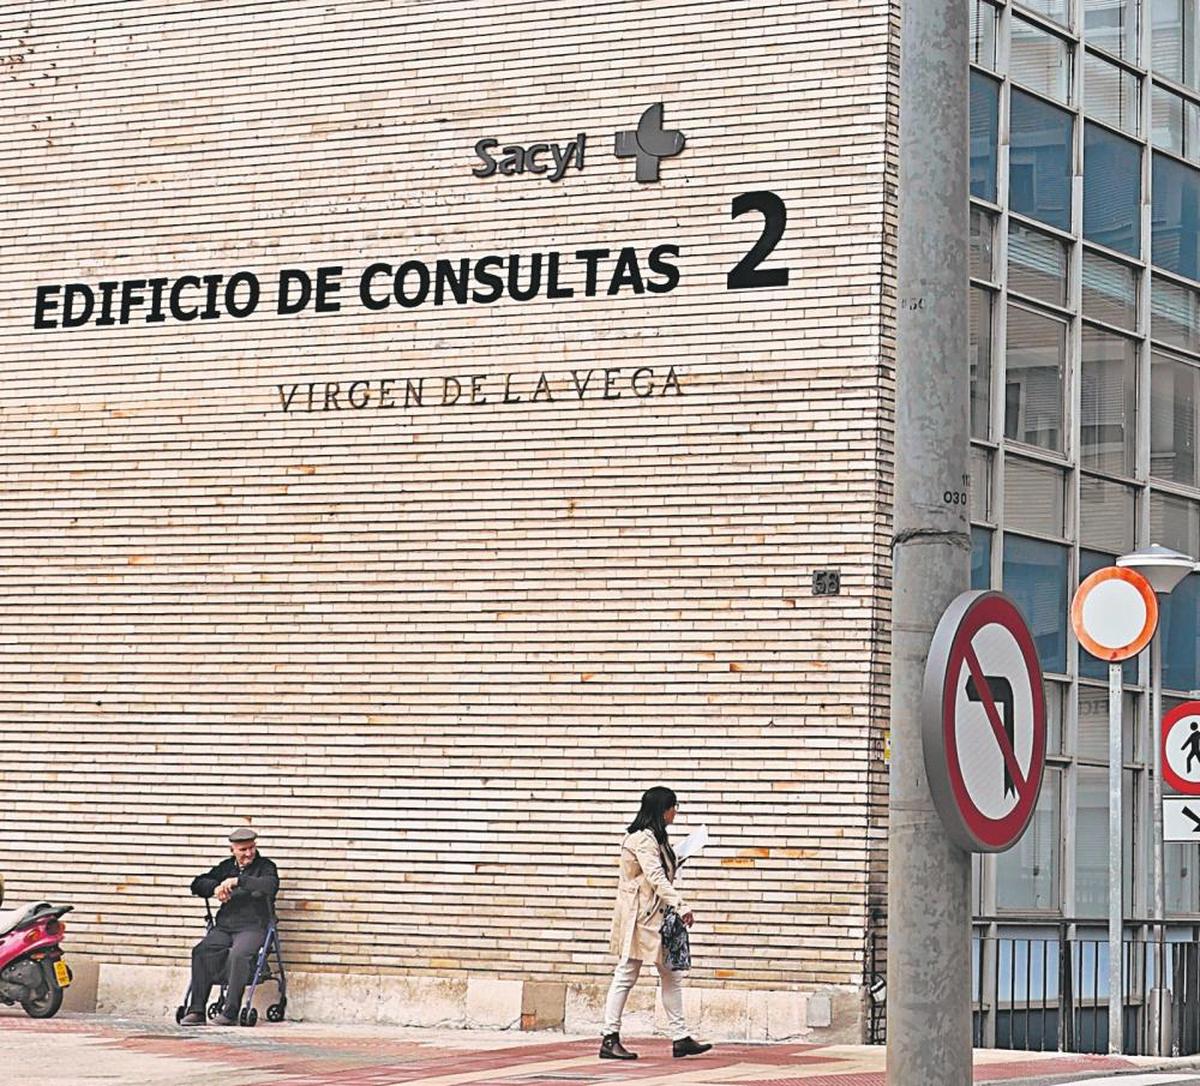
692,844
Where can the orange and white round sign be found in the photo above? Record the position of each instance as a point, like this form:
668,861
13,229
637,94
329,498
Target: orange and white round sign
1114,613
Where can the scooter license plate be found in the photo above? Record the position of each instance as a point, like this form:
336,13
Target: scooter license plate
61,973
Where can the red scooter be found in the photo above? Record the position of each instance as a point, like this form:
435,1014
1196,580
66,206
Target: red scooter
32,970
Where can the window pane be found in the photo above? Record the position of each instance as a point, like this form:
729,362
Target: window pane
1175,523
983,33
1033,496
1055,704
1166,120
1053,9
1173,39
981,483
1112,25
1091,841
1175,122
981,558
1111,94
1180,863
1106,515
982,228
1175,240
985,107
1093,721
981,361
1037,264
1039,60
1039,175
1108,399
1089,666
1109,291
1035,576
1027,875
1174,401
1175,314
1112,190
1181,638
1033,384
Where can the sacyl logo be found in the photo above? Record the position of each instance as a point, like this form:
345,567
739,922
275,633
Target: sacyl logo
518,159
646,145
649,142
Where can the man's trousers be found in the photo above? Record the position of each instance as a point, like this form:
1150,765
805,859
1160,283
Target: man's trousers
209,957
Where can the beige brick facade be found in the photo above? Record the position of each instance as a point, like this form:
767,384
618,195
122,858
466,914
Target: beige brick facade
436,652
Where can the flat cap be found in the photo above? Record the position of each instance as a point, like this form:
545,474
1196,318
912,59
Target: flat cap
243,833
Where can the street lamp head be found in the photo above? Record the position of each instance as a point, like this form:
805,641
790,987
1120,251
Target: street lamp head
1161,566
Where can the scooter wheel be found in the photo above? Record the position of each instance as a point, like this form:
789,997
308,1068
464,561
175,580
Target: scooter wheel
179,1013
213,1010
249,1016
276,1011
46,1007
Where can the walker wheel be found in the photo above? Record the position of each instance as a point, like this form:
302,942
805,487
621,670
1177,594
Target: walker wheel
248,1017
275,1011
213,1010
180,1011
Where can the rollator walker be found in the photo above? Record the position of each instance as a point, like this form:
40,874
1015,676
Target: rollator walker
248,1015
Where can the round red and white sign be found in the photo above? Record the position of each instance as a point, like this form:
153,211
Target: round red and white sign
1114,613
1181,748
984,725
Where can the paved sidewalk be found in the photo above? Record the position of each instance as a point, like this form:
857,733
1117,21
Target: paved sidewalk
88,1049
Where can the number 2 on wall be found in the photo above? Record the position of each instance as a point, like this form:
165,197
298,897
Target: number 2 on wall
746,274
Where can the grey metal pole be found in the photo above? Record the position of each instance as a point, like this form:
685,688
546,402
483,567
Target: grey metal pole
1159,1018
1116,925
929,878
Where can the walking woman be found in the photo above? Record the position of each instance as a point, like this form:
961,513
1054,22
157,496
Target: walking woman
645,892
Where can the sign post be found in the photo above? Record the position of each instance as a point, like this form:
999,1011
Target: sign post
1179,740
1114,614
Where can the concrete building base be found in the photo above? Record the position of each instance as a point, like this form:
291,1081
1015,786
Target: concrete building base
828,1016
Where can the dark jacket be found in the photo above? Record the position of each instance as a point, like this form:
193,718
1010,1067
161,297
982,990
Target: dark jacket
252,902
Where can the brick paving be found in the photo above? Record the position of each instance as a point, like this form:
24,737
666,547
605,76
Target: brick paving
84,1049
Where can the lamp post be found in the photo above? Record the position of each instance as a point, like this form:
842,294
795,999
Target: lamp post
1164,569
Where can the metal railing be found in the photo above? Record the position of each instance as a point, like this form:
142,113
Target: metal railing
1047,988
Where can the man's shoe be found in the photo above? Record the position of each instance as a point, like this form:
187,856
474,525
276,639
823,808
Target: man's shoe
222,1020
612,1049
193,1018
688,1047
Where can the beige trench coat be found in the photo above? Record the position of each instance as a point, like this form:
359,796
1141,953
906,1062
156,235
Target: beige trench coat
644,891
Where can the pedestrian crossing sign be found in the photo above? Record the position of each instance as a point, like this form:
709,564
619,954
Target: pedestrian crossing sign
1181,748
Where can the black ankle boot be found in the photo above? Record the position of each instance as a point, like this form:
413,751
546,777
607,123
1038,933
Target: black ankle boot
688,1047
612,1049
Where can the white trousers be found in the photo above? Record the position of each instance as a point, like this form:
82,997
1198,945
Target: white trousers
625,977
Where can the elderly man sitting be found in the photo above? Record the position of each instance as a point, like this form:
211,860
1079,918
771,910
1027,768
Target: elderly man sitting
246,884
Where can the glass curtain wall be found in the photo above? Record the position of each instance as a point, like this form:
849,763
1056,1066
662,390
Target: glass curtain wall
1085,392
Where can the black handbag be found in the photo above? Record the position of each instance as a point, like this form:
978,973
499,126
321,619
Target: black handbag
677,951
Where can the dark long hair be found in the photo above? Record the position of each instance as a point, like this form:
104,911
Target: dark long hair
656,802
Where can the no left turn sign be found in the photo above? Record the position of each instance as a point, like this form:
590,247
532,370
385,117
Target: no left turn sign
984,721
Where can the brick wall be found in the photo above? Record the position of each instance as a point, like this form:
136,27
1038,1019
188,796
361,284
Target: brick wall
436,653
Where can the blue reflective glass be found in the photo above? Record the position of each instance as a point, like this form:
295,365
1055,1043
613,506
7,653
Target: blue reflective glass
1175,221
985,129
981,558
1035,576
1039,165
1112,190
1089,666
1177,623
